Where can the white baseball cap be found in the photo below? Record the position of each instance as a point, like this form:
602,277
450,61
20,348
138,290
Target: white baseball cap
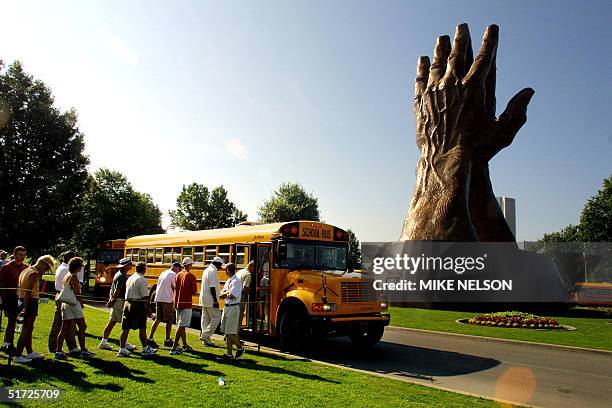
187,261
218,259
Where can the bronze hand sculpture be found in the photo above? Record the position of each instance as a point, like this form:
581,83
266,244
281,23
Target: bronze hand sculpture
457,134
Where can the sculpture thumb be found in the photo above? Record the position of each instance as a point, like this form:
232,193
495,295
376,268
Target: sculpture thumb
515,115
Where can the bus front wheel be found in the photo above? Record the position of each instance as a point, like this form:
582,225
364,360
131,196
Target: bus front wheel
293,330
367,335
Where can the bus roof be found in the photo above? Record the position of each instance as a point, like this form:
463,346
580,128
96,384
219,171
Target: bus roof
239,234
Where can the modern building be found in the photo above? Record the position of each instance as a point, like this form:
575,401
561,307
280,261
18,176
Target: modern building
508,207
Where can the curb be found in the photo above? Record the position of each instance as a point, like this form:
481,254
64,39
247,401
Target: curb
500,340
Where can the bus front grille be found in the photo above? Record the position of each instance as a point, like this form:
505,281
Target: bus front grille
355,292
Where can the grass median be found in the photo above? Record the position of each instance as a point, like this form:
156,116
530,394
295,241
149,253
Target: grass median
260,379
594,328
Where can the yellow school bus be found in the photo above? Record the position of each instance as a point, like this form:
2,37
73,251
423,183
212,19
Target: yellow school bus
108,254
301,288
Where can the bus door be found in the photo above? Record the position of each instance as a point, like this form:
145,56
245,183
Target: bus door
241,259
262,293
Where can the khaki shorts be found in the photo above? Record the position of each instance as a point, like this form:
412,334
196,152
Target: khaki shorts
230,320
116,312
183,317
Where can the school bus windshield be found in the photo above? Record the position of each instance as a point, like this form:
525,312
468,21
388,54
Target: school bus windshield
110,255
312,255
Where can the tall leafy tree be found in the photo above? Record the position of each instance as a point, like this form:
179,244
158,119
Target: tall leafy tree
595,220
354,257
42,165
112,209
289,203
197,208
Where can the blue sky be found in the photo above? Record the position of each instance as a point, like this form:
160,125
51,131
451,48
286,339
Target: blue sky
250,94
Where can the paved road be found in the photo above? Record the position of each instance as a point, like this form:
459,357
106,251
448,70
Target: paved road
529,374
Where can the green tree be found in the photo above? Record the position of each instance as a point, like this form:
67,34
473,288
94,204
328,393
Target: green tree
197,208
42,165
595,220
354,258
290,203
112,209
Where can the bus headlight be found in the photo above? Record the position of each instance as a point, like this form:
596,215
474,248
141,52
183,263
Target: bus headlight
102,279
323,307
383,305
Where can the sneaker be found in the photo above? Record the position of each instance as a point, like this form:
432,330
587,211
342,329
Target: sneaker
123,353
105,346
74,352
225,358
148,351
22,359
86,354
130,347
60,355
4,347
168,343
239,353
186,348
208,343
152,343
35,356
176,352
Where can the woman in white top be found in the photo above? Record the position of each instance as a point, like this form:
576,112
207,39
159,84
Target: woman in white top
73,314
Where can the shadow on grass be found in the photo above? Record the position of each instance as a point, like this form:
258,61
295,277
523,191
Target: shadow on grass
50,371
117,369
184,365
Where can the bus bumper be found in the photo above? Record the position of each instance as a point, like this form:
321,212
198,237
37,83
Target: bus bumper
343,325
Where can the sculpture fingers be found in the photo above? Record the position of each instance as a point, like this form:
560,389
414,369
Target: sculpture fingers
481,66
440,58
515,115
420,82
455,68
490,87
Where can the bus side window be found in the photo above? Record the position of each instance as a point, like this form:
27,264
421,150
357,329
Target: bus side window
167,255
159,253
150,255
142,255
224,252
187,252
198,255
211,252
176,255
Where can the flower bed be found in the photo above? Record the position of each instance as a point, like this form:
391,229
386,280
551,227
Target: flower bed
514,320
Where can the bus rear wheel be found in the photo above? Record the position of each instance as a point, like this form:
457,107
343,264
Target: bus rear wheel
367,334
293,330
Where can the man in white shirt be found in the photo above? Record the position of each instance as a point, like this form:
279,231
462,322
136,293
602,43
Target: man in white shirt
164,303
245,275
60,273
135,311
231,294
209,300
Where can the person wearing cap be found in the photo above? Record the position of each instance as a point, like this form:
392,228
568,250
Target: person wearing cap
3,255
28,293
60,274
135,311
209,301
230,323
9,278
116,303
186,288
164,303
245,276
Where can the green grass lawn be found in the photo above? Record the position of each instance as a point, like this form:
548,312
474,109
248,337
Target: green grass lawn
261,379
594,330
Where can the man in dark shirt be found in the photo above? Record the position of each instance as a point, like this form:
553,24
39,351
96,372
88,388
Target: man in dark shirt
9,278
116,302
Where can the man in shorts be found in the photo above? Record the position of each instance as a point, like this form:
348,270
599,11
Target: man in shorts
116,302
186,288
230,320
9,279
135,311
164,304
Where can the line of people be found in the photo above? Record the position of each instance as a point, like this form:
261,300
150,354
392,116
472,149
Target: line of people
129,305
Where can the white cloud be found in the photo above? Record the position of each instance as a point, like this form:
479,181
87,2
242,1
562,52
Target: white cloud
122,50
236,148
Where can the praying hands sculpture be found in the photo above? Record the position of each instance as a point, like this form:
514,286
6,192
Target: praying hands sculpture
458,134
